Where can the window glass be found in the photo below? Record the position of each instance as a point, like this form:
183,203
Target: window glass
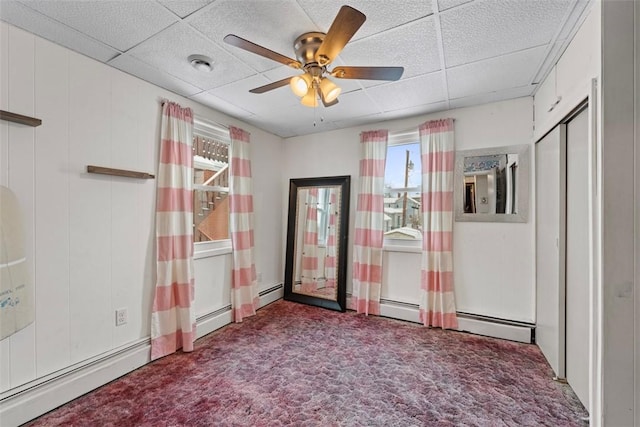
402,196
210,182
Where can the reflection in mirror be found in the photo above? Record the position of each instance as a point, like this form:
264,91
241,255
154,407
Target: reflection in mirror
492,184
316,241
316,227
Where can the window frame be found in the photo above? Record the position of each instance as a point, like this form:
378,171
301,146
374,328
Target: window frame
208,129
402,245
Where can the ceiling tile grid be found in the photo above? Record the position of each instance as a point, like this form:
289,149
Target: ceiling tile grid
170,50
420,90
502,72
274,24
16,13
184,8
119,24
412,46
223,106
382,15
154,75
482,30
454,52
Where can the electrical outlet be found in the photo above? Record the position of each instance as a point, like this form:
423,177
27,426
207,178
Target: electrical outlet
121,316
259,278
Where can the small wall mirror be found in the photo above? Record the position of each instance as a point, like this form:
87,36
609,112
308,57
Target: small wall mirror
315,270
492,184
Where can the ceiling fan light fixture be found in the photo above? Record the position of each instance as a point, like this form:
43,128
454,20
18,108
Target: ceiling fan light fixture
300,84
329,89
310,99
201,62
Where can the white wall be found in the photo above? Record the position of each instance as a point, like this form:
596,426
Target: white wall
493,267
90,238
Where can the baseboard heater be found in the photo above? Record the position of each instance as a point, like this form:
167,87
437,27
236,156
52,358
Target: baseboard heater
28,401
467,322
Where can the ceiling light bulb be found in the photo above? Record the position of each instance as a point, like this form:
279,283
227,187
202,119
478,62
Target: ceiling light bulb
329,89
300,84
310,99
201,62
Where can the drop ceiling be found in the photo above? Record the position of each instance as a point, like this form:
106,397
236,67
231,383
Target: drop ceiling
455,53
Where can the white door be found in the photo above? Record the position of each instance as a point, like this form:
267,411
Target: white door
550,274
577,257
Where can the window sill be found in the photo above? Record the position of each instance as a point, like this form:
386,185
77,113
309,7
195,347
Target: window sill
211,249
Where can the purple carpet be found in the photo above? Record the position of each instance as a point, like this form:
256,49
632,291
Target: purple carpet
293,364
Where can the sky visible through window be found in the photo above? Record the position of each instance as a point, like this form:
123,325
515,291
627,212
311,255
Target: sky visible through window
396,162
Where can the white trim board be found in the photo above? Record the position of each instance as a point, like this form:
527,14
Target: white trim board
31,400
477,325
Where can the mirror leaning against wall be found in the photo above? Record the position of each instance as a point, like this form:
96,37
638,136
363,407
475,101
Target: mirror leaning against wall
492,184
315,265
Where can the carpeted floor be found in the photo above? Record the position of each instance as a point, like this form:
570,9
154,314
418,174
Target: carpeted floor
294,364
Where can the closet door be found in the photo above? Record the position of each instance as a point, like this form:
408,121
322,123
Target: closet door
577,257
550,253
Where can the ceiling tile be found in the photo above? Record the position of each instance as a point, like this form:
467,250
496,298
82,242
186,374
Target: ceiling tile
496,27
170,49
494,74
184,8
272,24
360,121
413,46
21,16
381,14
119,24
221,105
354,104
449,4
425,89
494,49
416,110
154,75
257,103
486,98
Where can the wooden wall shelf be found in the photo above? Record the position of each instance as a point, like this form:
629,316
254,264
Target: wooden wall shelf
19,118
119,172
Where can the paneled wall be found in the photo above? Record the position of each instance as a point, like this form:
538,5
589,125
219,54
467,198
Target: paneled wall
494,262
91,238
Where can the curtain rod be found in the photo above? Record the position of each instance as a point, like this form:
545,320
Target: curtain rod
197,118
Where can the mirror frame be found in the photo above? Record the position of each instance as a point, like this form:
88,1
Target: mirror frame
523,174
344,182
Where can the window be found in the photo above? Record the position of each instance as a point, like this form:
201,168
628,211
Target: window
210,182
402,188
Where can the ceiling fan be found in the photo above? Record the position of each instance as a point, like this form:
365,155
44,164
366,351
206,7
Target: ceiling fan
314,52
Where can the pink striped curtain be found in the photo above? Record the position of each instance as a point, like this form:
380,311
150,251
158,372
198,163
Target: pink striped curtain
244,293
437,302
367,250
330,258
173,317
309,276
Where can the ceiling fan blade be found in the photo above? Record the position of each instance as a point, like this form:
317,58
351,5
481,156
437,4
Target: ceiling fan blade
344,26
271,86
236,41
368,73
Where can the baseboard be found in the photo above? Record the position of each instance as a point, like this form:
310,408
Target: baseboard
271,294
40,396
479,325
